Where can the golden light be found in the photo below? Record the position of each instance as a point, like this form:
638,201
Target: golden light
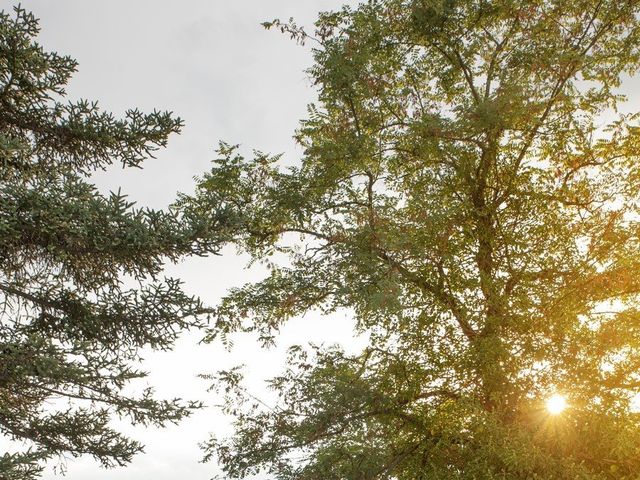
556,404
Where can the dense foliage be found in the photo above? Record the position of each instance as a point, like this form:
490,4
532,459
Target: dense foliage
469,191
80,273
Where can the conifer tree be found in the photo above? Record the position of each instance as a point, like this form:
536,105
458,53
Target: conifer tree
81,287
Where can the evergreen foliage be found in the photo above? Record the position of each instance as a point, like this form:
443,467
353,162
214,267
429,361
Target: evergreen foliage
81,287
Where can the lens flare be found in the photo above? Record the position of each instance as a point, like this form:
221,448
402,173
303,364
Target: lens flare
556,404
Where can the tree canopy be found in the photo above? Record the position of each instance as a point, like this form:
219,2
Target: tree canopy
81,286
469,192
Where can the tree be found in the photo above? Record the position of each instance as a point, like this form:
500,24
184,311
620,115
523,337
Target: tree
80,273
469,191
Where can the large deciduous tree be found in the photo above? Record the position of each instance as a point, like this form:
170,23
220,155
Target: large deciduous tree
81,289
469,191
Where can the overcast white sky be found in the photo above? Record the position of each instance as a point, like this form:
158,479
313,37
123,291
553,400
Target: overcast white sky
213,65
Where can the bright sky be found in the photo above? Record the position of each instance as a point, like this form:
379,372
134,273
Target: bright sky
214,65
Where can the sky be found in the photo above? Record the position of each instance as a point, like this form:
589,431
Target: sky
212,64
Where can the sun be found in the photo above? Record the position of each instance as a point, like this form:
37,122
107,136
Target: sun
556,404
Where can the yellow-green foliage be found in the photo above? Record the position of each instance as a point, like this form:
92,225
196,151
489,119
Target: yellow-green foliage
470,194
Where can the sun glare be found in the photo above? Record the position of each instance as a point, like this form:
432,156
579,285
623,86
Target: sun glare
556,404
